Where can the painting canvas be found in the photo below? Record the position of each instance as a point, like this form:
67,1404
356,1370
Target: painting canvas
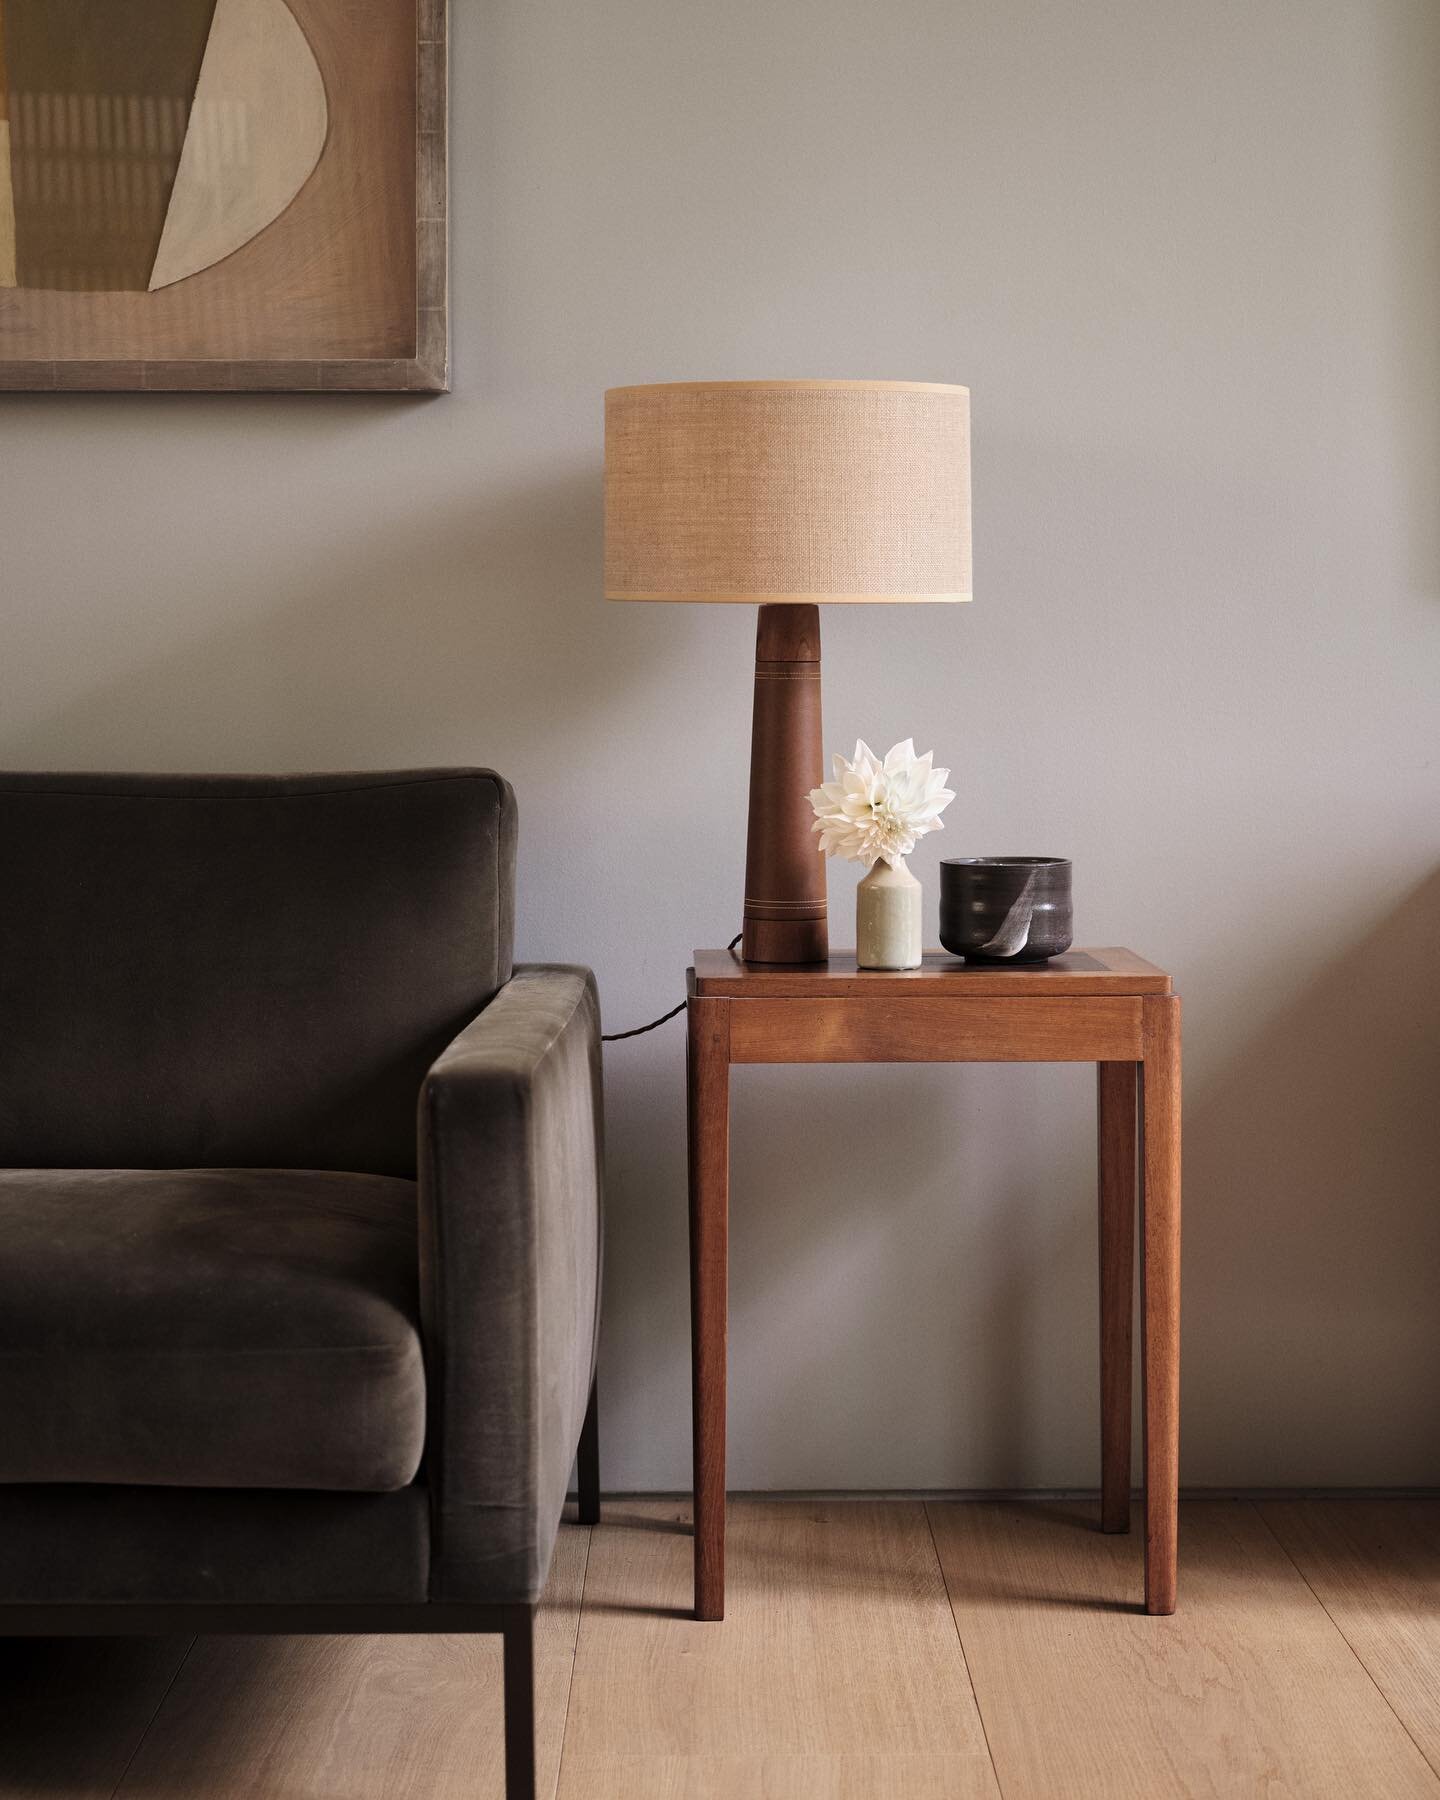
223,194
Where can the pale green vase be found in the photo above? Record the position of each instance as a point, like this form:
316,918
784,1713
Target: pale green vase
887,918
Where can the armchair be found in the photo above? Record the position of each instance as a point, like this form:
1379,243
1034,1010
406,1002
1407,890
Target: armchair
300,1196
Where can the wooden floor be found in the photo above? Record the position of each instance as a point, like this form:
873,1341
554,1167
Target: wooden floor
893,1649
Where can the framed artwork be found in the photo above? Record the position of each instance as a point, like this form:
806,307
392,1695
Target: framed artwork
223,195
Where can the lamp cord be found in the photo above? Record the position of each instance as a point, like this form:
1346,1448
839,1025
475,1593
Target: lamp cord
614,1037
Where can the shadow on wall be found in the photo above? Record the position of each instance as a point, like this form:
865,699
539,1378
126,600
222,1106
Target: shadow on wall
477,625
1312,1179
1410,78
912,1281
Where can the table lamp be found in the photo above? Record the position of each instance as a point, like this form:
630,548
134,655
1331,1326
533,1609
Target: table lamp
787,495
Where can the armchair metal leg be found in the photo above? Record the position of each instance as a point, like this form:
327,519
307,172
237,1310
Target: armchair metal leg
588,1459
519,1632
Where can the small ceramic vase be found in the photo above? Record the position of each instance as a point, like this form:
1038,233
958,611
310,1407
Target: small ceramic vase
887,918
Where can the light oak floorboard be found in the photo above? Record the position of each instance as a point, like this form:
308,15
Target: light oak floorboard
837,1661
1248,1690
354,1718
771,1777
73,1710
1375,1566
838,1674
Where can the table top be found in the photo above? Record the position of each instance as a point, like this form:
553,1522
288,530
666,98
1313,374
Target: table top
722,974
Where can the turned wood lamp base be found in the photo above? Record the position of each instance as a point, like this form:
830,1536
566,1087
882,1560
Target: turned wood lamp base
785,918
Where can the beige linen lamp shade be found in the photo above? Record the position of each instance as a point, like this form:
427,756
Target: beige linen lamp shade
787,494
787,491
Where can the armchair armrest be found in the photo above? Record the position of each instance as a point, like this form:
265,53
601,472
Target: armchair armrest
510,1142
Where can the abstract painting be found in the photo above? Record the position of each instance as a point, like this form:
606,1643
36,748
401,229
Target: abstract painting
223,194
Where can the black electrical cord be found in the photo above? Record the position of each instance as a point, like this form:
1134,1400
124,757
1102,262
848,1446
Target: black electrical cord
614,1037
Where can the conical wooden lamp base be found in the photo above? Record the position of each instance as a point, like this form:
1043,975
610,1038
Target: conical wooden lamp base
784,870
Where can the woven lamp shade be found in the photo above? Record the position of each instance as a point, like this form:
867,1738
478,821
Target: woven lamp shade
775,491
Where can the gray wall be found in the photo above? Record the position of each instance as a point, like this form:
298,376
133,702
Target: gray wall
1187,257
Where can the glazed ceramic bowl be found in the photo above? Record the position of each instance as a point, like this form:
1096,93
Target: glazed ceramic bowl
998,909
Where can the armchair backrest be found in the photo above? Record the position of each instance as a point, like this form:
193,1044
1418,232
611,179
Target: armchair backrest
211,971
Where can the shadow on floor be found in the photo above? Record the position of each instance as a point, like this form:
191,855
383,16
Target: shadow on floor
73,1710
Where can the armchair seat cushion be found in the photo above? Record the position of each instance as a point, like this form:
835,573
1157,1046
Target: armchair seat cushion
216,1328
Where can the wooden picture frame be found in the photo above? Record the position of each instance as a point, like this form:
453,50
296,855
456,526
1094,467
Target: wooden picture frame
341,286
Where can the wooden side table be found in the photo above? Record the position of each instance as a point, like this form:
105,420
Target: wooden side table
1108,1007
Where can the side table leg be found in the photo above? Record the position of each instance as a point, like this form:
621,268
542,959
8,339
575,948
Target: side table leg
708,1065
1118,1086
1160,1296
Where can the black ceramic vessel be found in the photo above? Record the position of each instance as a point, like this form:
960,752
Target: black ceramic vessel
1005,908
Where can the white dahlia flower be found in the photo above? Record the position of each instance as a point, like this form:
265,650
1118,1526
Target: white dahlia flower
876,809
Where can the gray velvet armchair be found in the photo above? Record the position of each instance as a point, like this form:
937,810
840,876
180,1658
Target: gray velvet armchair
299,1214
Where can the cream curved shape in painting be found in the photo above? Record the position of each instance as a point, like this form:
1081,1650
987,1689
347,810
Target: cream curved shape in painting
256,132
